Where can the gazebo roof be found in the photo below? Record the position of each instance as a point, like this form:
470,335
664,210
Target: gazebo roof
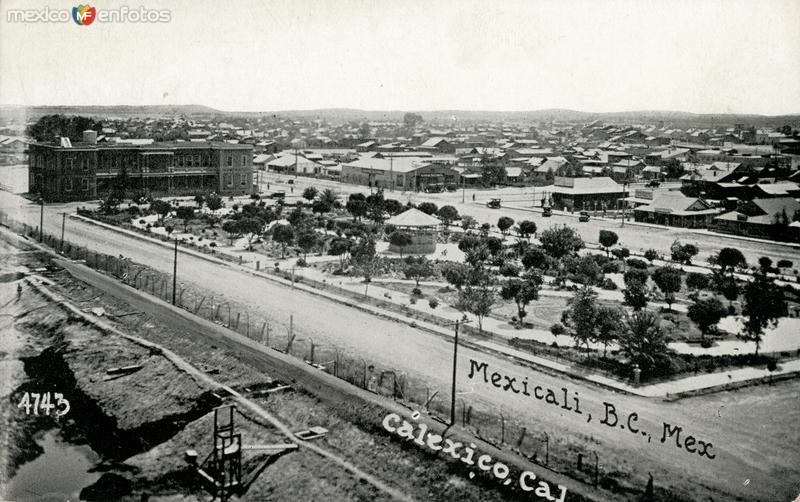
413,218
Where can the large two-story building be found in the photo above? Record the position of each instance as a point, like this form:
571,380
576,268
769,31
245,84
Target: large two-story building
87,170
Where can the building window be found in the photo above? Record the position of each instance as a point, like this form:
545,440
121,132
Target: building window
197,160
84,184
68,185
244,179
229,160
244,161
228,179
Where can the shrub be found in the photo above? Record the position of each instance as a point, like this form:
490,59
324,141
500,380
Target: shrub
433,303
509,270
706,343
301,262
557,329
772,365
416,292
142,221
784,264
609,285
650,255
637,263
611,267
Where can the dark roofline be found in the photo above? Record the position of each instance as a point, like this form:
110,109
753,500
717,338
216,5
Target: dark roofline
163,145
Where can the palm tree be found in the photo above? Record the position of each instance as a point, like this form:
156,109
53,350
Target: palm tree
329,197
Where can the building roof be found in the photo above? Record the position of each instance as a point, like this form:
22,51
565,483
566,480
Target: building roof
413,218
576,186
677,203
433,142
395,164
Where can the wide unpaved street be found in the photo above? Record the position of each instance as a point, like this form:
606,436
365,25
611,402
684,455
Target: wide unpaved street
754,431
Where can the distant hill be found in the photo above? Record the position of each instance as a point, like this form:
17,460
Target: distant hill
555,115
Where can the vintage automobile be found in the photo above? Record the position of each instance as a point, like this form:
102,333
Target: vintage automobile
277,195
547,212
584,216
493,204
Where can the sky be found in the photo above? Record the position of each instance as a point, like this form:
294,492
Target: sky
701,56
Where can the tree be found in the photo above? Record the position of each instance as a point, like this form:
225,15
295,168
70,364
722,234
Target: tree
650,255
523,291
643,341
728,259
608,239
560,241
468,223
283,235
319,206
50,127
477,301
456,274
428,208
185,213
765,264
447,214
534,257
400,240
763,305
307,239
683,253
526,229
635,293
309,193
621,253
504,223
392,206
199,199
696,281
582,315
726,285
357,205
668,280
609,323
706,312
329,197
493,171
363,257
231,227
213,202
250,229
161,207
340,246
376,206
417,269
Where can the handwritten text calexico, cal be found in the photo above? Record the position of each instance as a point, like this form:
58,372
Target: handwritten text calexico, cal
419,434
570,401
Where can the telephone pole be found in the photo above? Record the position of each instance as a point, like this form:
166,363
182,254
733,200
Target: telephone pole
41,218
175,271
63,224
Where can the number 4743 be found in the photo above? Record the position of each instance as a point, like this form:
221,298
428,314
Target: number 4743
34,402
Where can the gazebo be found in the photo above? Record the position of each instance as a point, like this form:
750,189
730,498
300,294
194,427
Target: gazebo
423,229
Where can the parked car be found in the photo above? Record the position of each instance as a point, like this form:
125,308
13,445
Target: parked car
584,216
277,195
547,212
653,184
493,204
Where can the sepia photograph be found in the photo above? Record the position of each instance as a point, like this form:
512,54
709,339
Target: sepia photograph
400,250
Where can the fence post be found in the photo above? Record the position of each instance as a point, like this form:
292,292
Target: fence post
521,437
502,429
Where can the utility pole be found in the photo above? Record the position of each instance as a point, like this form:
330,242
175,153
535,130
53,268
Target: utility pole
175,271
63,223
391,170
453,389
624,202
41,218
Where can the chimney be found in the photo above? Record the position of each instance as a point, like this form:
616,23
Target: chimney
90,137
